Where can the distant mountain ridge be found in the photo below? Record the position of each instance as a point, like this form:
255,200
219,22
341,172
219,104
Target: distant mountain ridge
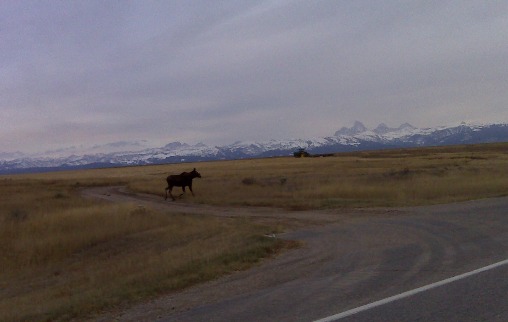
356,138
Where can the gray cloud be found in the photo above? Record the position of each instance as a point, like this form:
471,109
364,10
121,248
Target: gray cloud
217,72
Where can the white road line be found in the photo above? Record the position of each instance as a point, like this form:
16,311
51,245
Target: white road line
410,293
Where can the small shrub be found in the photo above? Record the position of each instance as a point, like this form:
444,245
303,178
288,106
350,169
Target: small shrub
18,215
404,173
249,181
60,195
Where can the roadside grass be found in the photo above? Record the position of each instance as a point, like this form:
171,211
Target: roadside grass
63,257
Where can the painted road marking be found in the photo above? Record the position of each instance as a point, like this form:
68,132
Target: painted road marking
410,293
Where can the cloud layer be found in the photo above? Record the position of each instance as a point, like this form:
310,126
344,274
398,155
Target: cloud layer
94,71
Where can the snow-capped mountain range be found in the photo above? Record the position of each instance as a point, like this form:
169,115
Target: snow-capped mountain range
356,138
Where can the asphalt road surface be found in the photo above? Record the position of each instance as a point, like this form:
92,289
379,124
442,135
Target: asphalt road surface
372,259
480,295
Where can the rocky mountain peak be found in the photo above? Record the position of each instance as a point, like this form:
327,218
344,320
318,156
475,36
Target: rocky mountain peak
357,128
381,129
406,126
175,145
356,138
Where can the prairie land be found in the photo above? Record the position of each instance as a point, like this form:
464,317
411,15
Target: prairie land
365,179
65,257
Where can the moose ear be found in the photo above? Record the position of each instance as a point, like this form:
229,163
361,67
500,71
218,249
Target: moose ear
194,169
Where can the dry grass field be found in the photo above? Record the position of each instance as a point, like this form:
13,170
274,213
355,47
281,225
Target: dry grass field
63,256
367,179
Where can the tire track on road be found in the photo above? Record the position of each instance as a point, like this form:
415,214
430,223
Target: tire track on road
350,258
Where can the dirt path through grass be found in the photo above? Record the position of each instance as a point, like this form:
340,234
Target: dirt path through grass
349,258
121,194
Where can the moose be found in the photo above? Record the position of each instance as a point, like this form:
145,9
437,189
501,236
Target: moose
183,180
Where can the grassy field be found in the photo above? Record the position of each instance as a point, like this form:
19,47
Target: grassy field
63,256
367,179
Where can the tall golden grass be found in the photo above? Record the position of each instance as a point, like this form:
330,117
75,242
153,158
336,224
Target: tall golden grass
63,257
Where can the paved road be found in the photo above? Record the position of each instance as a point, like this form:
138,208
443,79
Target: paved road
351,261
476,297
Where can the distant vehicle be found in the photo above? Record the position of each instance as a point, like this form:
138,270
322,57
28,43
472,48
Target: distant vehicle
301,153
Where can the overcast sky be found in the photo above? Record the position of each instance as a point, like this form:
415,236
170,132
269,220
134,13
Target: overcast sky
89,72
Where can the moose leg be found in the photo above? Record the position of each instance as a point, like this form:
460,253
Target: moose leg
168,189
183,191
190,188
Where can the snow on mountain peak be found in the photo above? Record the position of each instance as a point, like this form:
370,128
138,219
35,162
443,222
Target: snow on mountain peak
355,138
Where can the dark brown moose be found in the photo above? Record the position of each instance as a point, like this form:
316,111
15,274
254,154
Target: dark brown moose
183,180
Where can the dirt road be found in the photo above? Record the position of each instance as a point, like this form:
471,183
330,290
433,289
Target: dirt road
350,258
